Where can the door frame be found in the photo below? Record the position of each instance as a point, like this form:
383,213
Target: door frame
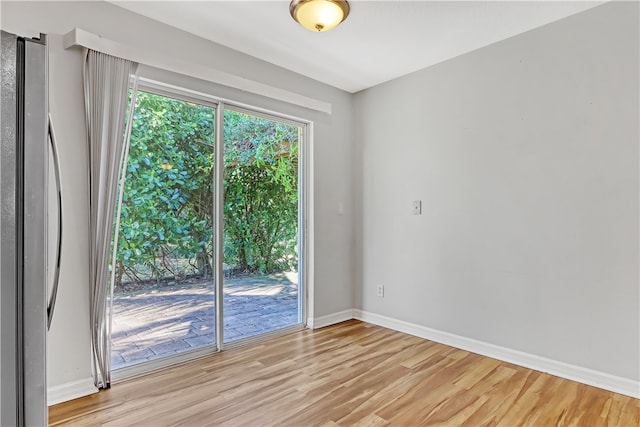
305,220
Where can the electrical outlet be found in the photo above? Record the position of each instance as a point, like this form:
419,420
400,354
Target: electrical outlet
380,291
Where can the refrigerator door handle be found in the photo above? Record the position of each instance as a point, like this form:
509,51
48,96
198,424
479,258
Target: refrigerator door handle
56,276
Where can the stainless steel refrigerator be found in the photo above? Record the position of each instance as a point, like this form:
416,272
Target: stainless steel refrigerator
26,303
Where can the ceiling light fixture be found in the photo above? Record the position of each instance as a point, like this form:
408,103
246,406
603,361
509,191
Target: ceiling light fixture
319,15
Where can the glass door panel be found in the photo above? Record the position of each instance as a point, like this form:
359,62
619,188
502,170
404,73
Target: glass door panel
164,293
261,214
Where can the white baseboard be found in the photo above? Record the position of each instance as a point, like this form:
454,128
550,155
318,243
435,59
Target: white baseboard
331,319
69,391
560,369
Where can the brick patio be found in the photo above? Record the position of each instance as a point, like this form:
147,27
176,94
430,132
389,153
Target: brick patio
151,324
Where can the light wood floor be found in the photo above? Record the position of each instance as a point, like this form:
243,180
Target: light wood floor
349,374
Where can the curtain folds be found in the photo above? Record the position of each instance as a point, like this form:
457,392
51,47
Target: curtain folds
106,82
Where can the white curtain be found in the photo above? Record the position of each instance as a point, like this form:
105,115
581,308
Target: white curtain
106,82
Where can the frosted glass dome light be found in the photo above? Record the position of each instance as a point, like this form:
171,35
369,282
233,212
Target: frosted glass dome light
319,15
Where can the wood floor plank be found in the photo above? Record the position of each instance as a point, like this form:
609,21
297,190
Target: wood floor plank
350,374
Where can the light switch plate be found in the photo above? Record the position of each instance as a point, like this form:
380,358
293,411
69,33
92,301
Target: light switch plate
417,207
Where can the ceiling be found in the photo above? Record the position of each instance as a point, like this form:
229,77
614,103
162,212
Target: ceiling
379,41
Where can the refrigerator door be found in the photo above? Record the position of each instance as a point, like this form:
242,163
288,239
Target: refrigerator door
8,261
23,268
35,196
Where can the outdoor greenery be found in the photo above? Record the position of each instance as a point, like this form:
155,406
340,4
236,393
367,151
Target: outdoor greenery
260,193
166,223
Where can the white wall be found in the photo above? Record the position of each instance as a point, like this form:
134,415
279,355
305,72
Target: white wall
69,348
525,156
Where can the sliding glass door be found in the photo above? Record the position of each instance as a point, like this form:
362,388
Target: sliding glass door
164,290
261,212
167,275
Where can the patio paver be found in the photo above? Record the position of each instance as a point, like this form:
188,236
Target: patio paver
151,324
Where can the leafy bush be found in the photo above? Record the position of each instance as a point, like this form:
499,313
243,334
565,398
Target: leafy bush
166,222
261,193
